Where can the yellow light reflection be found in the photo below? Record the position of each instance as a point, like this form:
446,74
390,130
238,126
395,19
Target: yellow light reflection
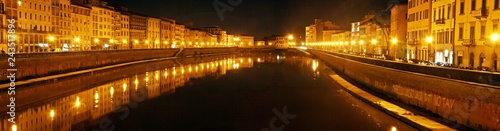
112,91
52,114
157,76
394,129
14,128
315,65
77,103
124,87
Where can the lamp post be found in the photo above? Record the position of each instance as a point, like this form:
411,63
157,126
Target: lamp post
77,40
494,39
394,43
96,41
51,38
374,42
429,40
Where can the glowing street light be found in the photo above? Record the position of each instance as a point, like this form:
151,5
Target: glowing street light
136,41
124,41
14,128
374,41
51,38
361,42
290,37
77,39
96,40
394,40
495,38
428,39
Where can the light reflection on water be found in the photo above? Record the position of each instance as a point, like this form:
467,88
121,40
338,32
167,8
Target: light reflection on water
64,112
81,109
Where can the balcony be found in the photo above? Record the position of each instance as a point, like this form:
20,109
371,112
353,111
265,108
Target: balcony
413,42
469,42
481,13
440,22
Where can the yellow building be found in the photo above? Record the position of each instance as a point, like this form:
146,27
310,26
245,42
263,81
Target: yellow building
138,26
219,32
124,32
243,41
319,30
443,25
167,31
103,23
179,34
419,23
476,22
4,23
62,15
81,26
153,32
399,25
33,24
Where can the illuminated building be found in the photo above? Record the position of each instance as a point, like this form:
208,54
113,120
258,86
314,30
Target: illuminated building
81,26
476,22
33,24
418,29
124,32
138,26
167,31
153,32
399,24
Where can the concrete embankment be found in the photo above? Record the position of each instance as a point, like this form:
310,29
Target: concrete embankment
43,64
472,104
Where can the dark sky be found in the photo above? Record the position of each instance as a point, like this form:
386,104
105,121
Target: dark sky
258,17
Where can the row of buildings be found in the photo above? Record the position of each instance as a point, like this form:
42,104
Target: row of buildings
460,32
71,25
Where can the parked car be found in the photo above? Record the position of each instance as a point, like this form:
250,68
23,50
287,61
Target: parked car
429,63
483,68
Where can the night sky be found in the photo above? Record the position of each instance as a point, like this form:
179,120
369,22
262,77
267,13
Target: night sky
258,17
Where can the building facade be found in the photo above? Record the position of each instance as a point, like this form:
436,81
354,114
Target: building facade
153,32
476,22
419,28
138,29
399,24
81,28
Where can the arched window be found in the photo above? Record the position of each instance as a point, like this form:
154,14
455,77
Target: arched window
482,59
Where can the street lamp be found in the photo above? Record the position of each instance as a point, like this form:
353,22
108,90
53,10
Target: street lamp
494,38
374,41
290,37
428,39
394,42
77,40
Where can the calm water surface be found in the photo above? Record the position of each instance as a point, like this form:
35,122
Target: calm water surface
258,91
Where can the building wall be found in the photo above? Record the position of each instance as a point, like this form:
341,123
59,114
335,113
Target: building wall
472,33
33,24
399,26
153,32
124,32
104,28
138,25
81,26
418,28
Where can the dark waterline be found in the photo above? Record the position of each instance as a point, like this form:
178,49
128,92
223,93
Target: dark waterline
234,92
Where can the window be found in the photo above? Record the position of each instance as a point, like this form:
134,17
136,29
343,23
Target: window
460,33
462,5
472,32
483,32
473,5
495,27
496,2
